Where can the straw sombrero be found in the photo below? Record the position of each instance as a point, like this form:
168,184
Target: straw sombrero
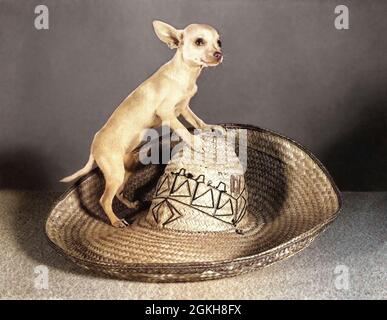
201,222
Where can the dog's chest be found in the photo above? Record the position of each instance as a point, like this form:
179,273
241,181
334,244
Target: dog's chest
190,91
185,98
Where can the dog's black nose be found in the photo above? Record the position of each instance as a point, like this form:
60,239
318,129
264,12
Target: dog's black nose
218,55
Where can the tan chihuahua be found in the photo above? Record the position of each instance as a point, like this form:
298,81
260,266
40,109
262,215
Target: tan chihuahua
160,100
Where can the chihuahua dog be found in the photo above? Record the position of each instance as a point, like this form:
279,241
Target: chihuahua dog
160,100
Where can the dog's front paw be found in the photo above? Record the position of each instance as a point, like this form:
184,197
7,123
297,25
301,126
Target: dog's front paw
197,144
214,127
119,223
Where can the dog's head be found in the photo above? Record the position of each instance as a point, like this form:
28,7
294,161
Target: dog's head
199,43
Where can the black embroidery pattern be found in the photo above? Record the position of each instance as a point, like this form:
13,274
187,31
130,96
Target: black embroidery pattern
183,188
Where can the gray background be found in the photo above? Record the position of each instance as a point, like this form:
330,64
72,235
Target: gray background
286,68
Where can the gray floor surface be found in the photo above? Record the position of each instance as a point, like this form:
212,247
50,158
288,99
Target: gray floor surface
348,261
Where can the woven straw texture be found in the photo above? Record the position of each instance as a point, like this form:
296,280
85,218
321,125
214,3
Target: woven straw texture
291,199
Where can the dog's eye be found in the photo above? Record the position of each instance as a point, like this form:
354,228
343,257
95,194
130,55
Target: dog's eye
219,43
199,41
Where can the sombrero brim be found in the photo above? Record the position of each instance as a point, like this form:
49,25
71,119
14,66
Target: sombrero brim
291,200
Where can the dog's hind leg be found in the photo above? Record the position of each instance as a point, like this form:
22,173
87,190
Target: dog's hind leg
120,193
114,173
130,163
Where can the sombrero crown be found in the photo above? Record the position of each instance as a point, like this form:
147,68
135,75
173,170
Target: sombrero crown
201,192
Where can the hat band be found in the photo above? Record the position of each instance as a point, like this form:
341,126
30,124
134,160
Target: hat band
183,202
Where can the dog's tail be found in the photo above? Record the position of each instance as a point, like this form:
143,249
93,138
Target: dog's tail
86,169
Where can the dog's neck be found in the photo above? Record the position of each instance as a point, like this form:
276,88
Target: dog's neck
182,71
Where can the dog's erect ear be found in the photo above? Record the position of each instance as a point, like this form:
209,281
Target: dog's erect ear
168,34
